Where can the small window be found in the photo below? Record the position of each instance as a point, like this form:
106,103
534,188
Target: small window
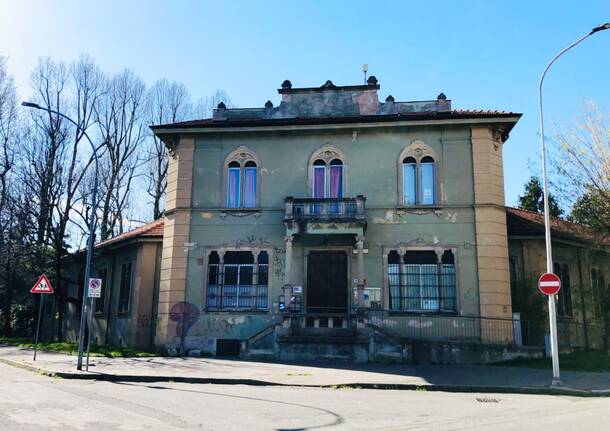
233,192
319,179
100,302
250,185
427,180
409,185
564,297
598,284
125,288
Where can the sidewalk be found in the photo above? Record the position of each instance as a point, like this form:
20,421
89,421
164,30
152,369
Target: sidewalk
453,378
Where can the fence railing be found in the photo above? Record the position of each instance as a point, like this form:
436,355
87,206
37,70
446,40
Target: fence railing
325,208
474,329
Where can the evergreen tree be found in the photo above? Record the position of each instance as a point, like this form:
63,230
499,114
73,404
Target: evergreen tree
532,199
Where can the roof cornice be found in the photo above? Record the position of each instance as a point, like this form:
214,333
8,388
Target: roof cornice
511,120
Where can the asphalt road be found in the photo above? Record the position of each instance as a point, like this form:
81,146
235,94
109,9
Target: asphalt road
32,402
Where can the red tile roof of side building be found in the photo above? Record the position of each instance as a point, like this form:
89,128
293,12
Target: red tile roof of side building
153,229
524,222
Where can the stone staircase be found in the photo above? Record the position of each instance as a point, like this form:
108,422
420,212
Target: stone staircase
325,338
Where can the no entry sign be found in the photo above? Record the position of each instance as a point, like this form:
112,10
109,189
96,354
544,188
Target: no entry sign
549,283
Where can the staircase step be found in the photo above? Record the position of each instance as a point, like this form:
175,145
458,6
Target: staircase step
322,339
261,354
329,332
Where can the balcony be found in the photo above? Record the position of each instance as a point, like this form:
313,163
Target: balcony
327,215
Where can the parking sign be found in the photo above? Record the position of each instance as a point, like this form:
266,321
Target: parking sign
95,288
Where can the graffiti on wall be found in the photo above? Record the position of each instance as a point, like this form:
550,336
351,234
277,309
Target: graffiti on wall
279,262
185,315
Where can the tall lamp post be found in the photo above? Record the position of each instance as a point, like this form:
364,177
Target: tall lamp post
83,315
547,219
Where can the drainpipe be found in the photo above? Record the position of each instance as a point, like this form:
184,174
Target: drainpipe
582,299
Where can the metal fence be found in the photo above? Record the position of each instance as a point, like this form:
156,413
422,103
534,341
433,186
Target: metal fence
474,329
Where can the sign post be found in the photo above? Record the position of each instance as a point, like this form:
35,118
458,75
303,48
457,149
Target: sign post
43,287
549,284
94,291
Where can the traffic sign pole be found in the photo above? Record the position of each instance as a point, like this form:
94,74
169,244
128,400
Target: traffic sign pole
91,311
40,306
554,344
549,284
42,287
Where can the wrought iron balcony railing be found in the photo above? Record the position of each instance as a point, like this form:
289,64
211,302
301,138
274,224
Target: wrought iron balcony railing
335,209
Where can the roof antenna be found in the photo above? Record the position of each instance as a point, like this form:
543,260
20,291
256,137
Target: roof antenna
365,68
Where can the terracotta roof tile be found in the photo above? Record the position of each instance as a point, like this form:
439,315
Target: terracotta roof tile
523,222
150,230
153,229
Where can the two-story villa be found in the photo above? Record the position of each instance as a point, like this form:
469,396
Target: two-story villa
293,230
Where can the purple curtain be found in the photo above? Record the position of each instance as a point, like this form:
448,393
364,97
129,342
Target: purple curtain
318,181
250,188
336,181
233,188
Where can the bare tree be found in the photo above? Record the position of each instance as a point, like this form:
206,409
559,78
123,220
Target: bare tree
166,103
205,106
8,132
85,85
119,115
8,128
581,160
45,144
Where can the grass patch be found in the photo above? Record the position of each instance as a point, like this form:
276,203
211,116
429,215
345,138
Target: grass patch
72,348
586,360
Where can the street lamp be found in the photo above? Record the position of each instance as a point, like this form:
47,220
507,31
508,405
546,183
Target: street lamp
547,221
83,316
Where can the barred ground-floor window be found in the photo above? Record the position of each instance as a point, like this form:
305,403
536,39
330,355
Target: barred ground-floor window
422,281
238,280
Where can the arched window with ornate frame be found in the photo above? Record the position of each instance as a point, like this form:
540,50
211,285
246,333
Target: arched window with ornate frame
327,169
241,179
418,176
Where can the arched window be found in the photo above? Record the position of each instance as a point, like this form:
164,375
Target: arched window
409,183
319,179
250,185
327,173
327,179
242,178
418,171
427,179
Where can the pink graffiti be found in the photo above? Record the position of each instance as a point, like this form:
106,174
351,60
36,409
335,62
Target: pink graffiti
185,314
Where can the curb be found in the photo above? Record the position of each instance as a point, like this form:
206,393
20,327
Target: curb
523,390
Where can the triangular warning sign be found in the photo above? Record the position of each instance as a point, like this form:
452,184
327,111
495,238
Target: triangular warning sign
43,285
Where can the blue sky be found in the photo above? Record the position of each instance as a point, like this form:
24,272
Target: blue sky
482,54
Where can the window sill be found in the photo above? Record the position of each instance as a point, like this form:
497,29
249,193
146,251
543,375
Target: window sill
434,207
251,210
237,310
423,313
240,212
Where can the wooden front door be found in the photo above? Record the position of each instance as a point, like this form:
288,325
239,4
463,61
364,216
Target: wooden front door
327,282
